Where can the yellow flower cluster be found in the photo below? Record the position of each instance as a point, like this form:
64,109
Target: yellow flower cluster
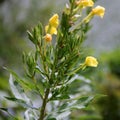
51,28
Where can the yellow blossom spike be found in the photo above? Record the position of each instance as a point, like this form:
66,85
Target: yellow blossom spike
54,20
99,10
48,37
91,61
85,3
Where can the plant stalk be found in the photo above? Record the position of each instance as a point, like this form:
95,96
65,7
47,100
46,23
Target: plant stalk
42,111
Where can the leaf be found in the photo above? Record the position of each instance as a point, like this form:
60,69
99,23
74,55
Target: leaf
29,85
11,116
12,72
30,36
85,100
4,109
77,103
20,102
79,77
40,27
18,91
16,88
38,69
37,33
63,115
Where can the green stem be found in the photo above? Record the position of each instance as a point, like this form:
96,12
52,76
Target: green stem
42,111
82,66
43,58
85,20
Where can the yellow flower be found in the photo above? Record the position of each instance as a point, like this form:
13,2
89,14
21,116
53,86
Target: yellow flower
85,3
48,37
54,21
51,28
99,10
91,61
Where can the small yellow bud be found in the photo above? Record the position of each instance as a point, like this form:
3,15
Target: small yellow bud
91,61
85,3
48,37
99,10
54,21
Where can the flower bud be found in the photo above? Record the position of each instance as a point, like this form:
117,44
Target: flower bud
48,37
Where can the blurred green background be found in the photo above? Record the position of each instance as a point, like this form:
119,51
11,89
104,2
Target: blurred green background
17,16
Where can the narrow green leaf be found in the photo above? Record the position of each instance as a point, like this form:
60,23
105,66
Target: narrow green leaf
20,96
21,102
58,115
4,109
77,103
29,85
11,116
40,28
30,36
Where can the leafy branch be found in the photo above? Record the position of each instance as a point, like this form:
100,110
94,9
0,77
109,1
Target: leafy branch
53,66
